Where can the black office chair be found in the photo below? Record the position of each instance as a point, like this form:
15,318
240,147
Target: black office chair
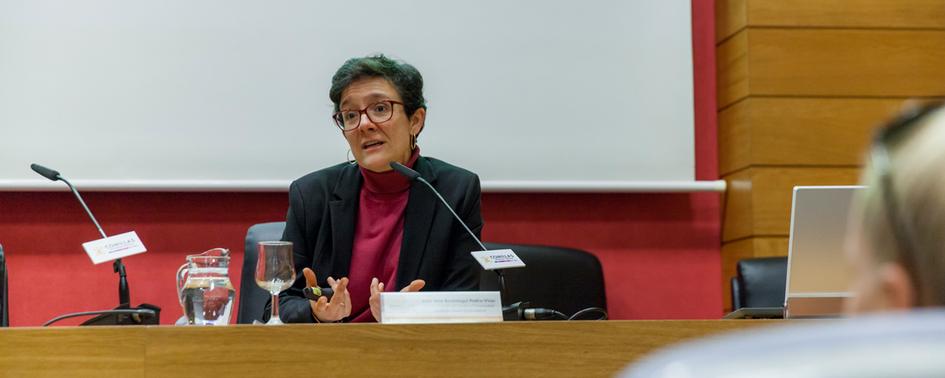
563,279
4,301
253,298
759,283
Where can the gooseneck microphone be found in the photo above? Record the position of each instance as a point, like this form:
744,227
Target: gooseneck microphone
513,311
413,175
54,175
410,174
124,299
46,172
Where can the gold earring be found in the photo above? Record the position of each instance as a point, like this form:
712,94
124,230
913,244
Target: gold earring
348,157
413,142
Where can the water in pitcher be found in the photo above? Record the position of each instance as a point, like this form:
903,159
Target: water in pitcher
208,300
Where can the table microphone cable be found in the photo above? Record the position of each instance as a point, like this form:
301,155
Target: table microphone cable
137,314
539,313
590,310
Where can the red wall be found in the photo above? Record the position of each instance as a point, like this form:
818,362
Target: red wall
660,252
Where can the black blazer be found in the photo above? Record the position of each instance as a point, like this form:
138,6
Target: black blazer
323,208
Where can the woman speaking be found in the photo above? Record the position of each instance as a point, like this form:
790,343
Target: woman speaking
362,228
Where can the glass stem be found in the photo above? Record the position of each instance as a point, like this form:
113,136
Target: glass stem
275,309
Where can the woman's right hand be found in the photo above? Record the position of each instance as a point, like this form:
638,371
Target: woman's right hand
377,288
338,307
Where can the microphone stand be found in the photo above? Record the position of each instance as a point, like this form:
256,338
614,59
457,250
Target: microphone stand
513,311
123,292
124,314
124,300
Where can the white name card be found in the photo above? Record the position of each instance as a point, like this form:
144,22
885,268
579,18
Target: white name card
441,307
114,247
498,259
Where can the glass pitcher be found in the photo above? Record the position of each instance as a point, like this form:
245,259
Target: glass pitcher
204,288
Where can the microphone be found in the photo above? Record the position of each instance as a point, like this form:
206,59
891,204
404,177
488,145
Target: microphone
515,311
52,174
407,172
510,312
46,172
413,175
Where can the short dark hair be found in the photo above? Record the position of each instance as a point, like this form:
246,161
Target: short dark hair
404,77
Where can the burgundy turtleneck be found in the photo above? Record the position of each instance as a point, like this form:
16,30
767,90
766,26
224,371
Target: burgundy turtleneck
377,236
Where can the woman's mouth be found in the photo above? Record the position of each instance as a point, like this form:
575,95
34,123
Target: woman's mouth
372,145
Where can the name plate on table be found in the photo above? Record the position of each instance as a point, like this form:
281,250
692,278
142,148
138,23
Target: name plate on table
441,307
114,247
498,259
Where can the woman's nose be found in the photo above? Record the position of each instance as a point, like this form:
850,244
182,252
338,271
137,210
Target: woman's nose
366,122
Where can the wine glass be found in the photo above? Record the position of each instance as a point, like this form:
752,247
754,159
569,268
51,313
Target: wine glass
275,272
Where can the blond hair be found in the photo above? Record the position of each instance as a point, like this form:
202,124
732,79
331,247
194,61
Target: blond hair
916,183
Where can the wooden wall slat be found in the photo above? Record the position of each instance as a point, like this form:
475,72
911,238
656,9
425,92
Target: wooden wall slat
801,85
846,13
759,200
735,15
737,215
735,137
732,79
730,17
770,246
851,63
799,131
772,189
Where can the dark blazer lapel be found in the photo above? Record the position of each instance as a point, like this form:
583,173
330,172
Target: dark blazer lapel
344,211
418,218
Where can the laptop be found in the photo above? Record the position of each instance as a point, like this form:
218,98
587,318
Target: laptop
818,276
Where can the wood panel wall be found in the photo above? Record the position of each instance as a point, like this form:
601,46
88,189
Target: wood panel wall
801,86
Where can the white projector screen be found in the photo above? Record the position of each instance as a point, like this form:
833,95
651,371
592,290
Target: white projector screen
234,94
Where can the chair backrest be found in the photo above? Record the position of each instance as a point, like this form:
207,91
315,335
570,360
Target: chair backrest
563,279
253,298
4,300
759,283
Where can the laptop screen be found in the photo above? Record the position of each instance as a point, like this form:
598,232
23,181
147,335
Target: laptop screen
818,276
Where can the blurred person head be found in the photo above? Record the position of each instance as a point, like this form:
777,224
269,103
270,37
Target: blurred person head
896,242
379,107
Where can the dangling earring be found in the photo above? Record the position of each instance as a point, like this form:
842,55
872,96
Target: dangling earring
349,159
413,142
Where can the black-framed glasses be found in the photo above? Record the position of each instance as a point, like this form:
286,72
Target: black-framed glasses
378,112
902,228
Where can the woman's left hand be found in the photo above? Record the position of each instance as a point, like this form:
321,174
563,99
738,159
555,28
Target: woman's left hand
377,288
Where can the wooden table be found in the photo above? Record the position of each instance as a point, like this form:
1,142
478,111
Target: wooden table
574,349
